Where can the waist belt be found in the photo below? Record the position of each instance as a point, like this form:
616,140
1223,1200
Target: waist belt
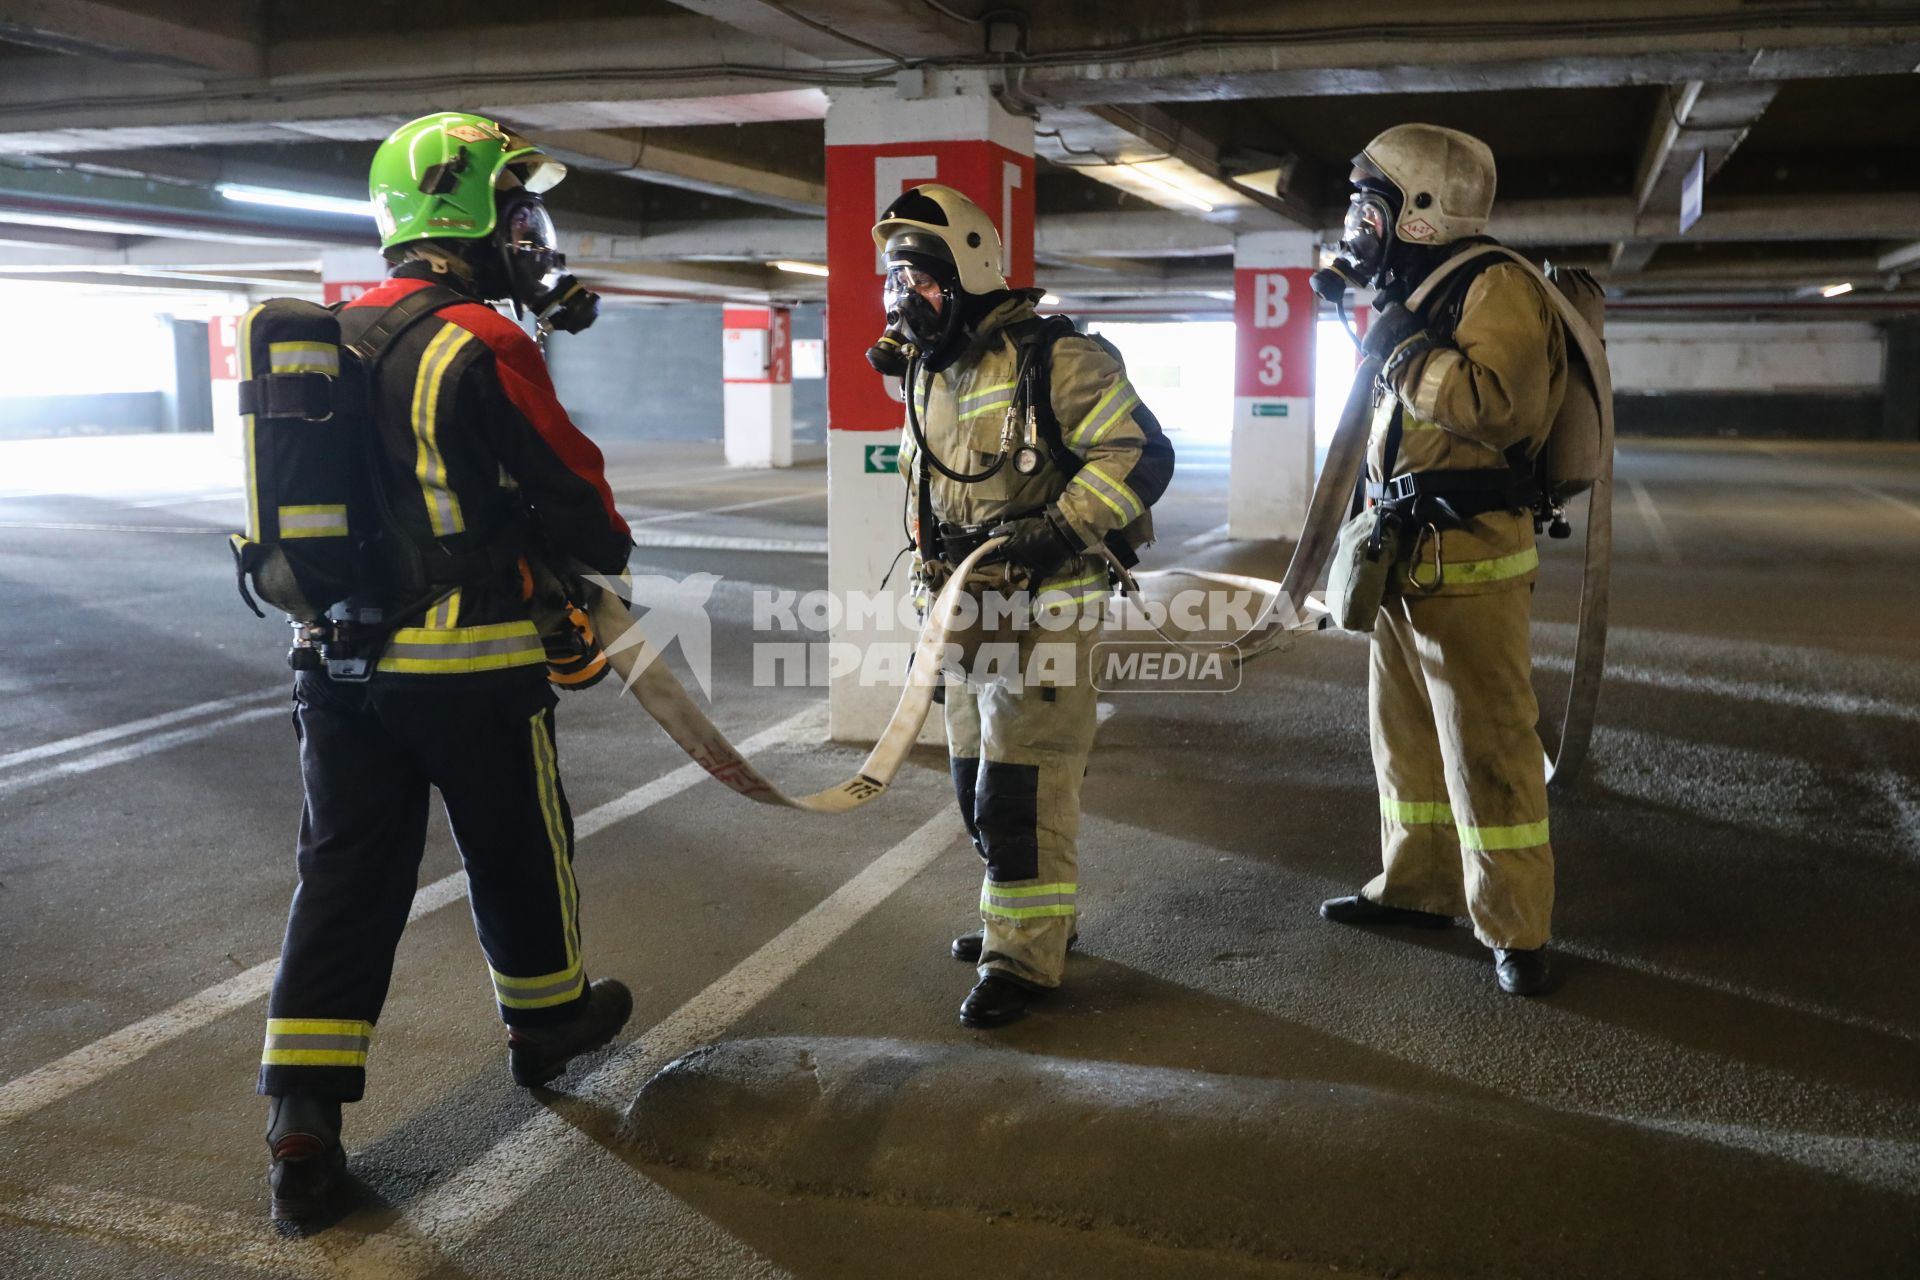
958,541
1456,496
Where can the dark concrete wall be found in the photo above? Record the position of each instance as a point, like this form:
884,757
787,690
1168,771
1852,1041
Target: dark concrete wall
1900,407
653,373
1818,415
26,417
190,406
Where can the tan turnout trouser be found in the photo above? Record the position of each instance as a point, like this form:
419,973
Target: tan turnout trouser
1463,798
1017,759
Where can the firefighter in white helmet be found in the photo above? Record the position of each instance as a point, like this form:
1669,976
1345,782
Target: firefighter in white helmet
1469,389
1021,428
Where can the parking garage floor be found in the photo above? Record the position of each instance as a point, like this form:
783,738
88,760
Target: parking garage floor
1727,1083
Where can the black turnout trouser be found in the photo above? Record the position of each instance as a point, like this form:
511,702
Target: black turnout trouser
369,754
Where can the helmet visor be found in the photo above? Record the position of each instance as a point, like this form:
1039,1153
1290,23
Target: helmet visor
906,284
528,227
1368,227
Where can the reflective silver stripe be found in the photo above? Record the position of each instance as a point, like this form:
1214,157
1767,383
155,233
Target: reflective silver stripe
1110,491
331,519
522,994
1045,900
304,357
1115,405
985,403
348,1044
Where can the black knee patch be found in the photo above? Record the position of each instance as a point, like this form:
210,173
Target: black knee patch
1007,813
966,772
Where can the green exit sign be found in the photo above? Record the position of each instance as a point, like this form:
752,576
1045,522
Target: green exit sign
882,458
1270,410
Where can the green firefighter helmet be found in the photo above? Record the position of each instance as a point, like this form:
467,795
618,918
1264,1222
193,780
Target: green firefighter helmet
435,177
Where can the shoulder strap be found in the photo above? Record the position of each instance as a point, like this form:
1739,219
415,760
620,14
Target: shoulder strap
1035,339
399,318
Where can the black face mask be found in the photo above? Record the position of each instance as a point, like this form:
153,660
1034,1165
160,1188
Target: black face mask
935,331
533,270
1367,238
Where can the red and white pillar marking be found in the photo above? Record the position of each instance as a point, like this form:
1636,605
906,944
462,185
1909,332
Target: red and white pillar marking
223,350
1270,478
757,363
878,145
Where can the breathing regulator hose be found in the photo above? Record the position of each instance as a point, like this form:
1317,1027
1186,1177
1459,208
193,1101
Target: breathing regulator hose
920,434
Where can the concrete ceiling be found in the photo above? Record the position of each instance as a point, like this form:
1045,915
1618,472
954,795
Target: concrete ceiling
695,127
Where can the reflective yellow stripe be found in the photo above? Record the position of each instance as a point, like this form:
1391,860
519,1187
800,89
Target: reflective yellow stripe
445,613
1101,485
978,404
430,467
547,778
1498,569
1026,913
1029,890
322,521
253,469
462,650
314,1058
1111,408
1416,812
1492,839
539,993
319,1027
304,357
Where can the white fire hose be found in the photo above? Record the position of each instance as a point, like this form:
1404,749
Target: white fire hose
1286,613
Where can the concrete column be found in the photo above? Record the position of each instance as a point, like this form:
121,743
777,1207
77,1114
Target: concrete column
756,363
1271,475
345,274
223,389
1900,381
879,144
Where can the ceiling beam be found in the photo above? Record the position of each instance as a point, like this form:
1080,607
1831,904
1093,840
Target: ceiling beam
125,34
1695,120
1147,152
1904,258
900,30
656,158
1628,256
1362,47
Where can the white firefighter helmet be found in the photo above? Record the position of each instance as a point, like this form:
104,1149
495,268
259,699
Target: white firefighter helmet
939,222
1446,181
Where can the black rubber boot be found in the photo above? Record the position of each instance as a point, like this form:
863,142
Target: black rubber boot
1365,911
1522,973
997,1000
309,1164
967,946
536,1055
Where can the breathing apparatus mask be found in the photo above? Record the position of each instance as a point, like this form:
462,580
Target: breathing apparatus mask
532,270
923,299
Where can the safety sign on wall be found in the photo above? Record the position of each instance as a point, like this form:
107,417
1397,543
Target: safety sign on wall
1273,312
862,180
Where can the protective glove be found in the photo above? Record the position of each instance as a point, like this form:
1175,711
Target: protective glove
1040,544
1388,330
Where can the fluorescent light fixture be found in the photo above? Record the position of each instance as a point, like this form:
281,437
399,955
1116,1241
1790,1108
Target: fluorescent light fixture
1178,190
1835,290
799,268
304,201
1049,299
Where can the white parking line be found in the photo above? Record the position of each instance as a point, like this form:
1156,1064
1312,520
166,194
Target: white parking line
81,742
478,1195
776,500
59,526
1656,523
720,542
94,1062
135,750
181,1229
1899,504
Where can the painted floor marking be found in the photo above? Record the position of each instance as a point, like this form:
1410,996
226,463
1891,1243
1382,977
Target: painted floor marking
92,1063
1899,504
1655,522
135,750
668,516
81,742
465,1204
722,542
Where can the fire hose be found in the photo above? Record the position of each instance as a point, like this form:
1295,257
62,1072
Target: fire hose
1286,613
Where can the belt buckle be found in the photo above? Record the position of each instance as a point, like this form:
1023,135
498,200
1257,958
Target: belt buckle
1399,489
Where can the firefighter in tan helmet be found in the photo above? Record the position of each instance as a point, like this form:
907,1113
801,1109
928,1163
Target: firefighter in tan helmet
1021,428
1470,385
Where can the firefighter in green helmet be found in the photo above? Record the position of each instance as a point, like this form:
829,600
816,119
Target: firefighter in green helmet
457,698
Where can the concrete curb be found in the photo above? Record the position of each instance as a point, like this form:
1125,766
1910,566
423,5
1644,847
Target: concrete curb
1337,1173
